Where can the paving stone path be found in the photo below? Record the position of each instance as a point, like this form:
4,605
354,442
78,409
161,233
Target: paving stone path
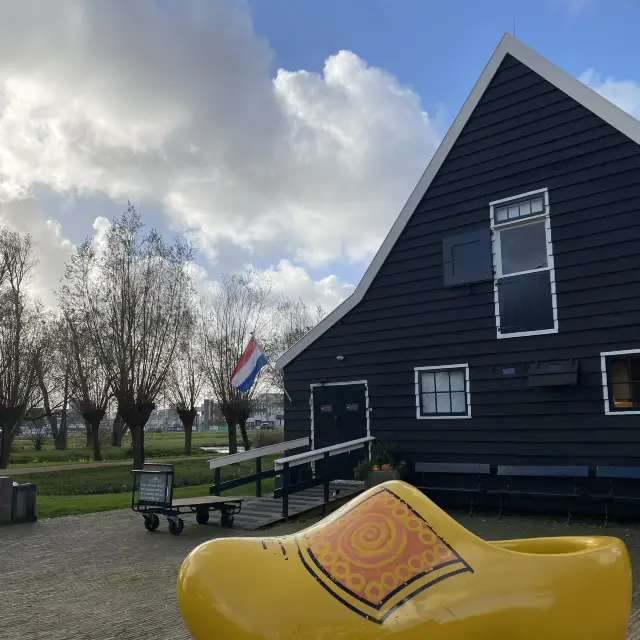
103,577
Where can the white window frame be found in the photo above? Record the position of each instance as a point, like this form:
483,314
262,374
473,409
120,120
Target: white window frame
442,367
496,227
605,381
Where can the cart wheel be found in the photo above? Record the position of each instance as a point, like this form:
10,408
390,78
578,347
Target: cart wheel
226,520
176,528
151,522
202,517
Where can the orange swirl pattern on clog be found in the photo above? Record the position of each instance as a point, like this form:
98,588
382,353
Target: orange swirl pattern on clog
377,548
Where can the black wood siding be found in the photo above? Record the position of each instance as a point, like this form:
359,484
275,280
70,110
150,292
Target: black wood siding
524,134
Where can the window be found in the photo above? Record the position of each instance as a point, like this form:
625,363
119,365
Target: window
621,381
442,391
524,280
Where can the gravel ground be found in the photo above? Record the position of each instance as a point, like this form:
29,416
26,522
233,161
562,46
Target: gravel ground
102,576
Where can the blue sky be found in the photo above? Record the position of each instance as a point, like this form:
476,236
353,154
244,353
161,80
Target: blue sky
242,124
440,48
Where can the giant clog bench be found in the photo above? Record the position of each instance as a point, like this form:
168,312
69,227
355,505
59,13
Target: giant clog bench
391,564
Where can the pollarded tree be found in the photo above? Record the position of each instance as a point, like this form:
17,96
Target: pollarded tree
52,373
133,291
184,385
21,336
290,321
90,382
236,307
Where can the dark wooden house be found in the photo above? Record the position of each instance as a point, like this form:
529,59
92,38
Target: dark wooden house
499,323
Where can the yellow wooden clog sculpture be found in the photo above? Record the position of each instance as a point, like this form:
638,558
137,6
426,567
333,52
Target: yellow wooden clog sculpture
391,564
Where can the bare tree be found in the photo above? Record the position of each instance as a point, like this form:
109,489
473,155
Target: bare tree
291,320
21,336
132,293
118,429
52,373
235,308
184,386
90,381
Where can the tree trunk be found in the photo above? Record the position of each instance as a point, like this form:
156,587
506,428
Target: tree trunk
60,439
10,419
95,438
5,445
187,417
118,430
233,434
136,415
242,423
137,445
89,431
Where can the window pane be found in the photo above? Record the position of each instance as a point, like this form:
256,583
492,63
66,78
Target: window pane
457,380
428,403
523,248
442,381
635,392
525,208
513,211
501,214
619,371
536,205
444,403
427,382
634,366
458,403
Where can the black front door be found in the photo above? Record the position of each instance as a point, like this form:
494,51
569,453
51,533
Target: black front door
339,415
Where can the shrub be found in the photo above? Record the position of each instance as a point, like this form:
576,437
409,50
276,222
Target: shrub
265,437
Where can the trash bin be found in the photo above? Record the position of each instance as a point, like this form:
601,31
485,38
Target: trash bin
24,503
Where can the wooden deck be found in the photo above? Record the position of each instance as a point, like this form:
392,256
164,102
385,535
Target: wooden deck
262,512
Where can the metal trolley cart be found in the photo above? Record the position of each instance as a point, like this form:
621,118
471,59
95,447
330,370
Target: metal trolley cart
152,496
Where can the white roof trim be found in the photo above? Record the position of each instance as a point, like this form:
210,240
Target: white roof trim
571,86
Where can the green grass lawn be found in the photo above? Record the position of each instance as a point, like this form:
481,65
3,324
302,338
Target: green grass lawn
157,445
50,506
107,480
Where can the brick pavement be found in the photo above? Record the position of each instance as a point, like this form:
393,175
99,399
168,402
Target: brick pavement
102,576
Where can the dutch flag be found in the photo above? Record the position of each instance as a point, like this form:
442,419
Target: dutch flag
251,361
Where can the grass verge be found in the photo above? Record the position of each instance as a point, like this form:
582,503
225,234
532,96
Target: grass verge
54,506
109,480
157,445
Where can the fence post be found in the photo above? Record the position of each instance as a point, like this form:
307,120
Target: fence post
285,490
258,477
216,488
327,480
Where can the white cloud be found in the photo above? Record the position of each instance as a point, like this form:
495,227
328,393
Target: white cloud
294,282
177,105
624,93
52,249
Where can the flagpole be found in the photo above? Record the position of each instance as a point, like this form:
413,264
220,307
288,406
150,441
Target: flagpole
272,367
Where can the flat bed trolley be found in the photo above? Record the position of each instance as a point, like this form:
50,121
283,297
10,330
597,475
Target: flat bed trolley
152,496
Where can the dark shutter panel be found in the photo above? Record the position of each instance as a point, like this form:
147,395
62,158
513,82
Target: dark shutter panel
467,258
525,302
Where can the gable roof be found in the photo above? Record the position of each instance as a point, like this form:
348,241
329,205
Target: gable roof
508,45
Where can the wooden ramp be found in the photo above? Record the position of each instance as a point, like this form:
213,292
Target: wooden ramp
262,512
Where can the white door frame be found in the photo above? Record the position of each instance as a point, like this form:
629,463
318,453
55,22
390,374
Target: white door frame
338,384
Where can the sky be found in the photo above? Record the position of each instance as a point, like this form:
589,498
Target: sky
279,135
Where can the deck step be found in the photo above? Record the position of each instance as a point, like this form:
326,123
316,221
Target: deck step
261,512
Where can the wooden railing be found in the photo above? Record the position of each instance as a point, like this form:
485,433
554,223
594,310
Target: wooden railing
283,467
216,464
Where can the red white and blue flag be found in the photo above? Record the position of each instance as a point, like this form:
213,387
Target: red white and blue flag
250,363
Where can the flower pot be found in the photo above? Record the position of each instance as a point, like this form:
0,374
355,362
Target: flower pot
378,477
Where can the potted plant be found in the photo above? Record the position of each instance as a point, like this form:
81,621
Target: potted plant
381,467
